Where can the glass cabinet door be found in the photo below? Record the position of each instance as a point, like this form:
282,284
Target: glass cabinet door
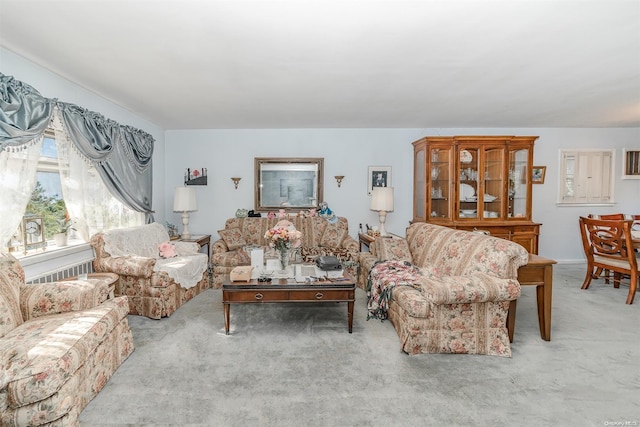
469,161
440,167
493,178
519,176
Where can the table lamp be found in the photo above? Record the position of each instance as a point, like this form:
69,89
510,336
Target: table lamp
184,200
382,201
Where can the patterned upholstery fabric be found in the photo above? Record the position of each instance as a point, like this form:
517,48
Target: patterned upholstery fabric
11,276
233,238
70,344
152,291
460,301
319,237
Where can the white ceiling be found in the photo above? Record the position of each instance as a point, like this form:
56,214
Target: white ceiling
189,64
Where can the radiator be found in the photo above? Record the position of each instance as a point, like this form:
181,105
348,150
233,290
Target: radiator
85,267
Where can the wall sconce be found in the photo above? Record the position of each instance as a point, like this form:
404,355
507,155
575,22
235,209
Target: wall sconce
339,178
236,181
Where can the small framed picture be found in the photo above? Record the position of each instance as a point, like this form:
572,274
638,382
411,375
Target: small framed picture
538,174
379,176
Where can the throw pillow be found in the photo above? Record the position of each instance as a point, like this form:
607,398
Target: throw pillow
167,250
233,238
392,248
333,235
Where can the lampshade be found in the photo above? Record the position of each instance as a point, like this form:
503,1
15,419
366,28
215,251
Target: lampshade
184,199
382,199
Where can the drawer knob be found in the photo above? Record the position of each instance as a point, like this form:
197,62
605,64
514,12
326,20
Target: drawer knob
259,296
319,295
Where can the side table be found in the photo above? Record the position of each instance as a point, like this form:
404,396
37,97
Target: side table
537,272
109,278
366,240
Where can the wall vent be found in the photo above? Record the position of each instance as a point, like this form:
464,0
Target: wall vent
65,272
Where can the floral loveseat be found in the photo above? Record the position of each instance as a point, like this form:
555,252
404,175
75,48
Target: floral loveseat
319,237
444,290
60,343
156,286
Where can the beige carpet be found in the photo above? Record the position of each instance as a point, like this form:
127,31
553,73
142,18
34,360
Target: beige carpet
285,365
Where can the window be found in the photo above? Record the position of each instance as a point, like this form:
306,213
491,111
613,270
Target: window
630,164
586,177
88,198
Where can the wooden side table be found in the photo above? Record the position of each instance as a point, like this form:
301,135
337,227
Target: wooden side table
201,240
539,273
365,240
110,278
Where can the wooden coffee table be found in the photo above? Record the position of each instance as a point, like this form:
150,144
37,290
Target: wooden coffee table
287,291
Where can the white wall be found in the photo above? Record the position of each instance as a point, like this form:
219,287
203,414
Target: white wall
349,152
51,85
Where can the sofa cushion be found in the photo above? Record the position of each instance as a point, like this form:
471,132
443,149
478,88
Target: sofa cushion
233,238
334,234
39,357
11,275
231,258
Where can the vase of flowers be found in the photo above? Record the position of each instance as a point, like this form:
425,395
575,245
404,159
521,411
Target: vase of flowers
283,237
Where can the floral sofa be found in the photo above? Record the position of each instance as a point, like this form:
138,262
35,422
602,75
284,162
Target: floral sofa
156,285
444,290
60,343
319,237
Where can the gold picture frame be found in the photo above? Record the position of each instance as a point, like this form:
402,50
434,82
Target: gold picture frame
289,183
537,174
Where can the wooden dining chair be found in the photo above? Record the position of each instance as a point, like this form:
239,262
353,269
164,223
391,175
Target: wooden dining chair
603,271
615,216
608,245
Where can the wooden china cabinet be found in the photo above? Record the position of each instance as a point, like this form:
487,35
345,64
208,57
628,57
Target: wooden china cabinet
476,183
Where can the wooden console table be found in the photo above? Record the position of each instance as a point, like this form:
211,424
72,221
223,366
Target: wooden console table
539,273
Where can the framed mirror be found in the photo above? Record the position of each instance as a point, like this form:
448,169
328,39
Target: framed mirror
288,183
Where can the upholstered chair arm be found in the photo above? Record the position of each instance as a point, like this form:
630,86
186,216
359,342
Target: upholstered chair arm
366,261
187,248
219,247
126,266
43,299
480,287
350,244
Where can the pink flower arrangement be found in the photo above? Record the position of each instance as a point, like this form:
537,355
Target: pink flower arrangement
283,236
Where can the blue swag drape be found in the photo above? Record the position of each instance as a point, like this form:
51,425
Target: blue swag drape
121,154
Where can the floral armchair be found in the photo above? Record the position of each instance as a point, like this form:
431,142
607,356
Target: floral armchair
156,286
60,343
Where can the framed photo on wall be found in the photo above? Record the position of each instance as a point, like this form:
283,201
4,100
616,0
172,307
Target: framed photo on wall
379,176
538,174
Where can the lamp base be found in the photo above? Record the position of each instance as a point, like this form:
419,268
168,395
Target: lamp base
185,226
382,216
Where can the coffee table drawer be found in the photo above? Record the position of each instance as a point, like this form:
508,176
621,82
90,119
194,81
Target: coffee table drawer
256,296
321,294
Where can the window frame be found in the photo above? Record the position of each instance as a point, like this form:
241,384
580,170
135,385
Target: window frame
581,174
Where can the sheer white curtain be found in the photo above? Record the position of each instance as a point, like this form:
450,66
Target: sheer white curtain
89,203
18,167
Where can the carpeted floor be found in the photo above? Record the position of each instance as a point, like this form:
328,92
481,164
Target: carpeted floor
296,365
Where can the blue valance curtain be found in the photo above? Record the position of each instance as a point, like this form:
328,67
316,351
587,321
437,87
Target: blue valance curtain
121,154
